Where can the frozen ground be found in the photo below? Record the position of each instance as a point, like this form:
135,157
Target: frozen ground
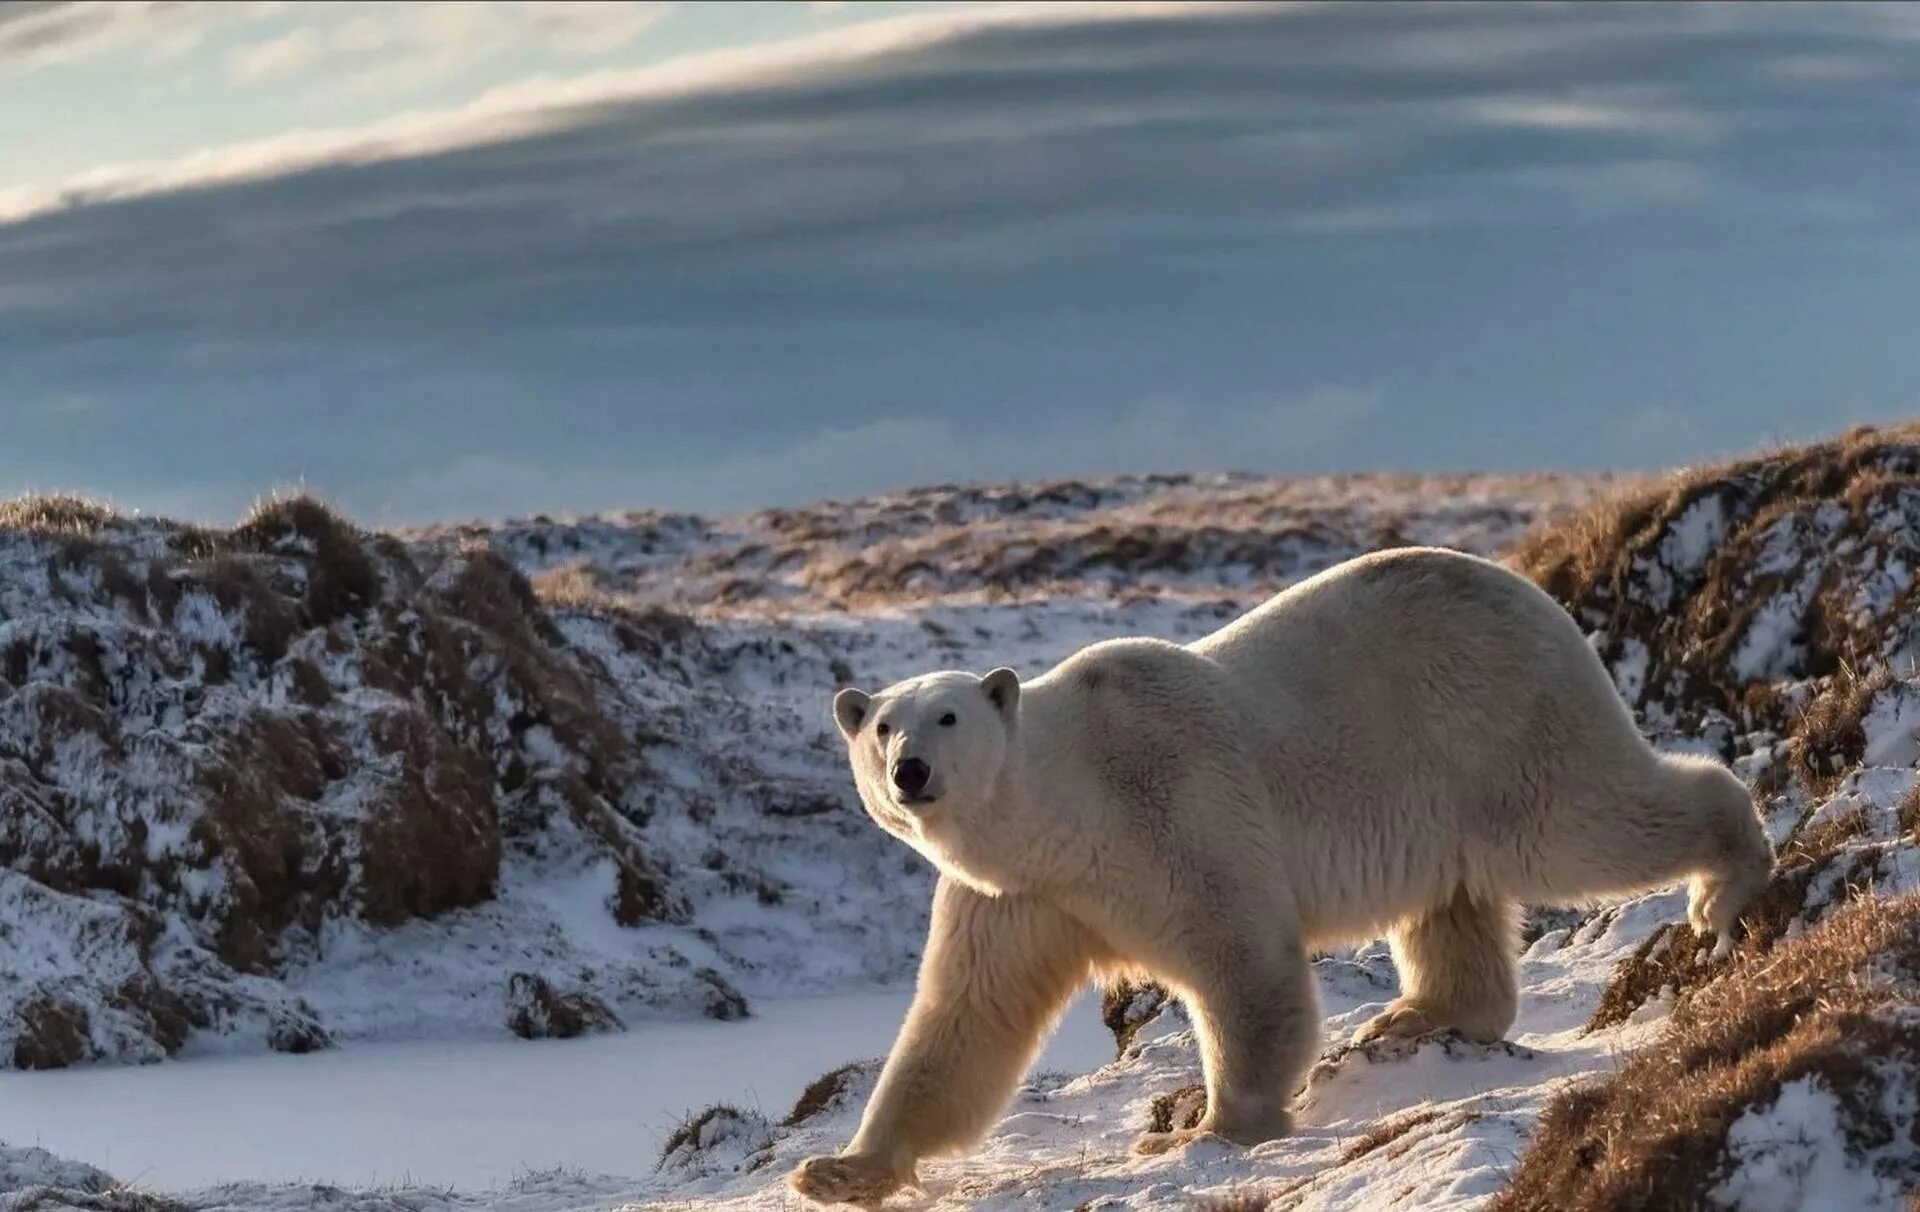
534,1127
471,1114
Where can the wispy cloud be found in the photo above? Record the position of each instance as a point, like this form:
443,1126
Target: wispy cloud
39,33
391,46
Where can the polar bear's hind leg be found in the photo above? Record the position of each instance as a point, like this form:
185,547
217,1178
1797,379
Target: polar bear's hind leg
1456,966
1679,819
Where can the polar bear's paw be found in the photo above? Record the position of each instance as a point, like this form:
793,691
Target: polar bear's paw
1714,906
862,1181
1151,1144
1400,1020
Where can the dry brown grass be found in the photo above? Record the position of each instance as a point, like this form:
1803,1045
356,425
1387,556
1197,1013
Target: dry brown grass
1597,562
1828,740
1182,1108
639,625
1573,556
1144,535
52,1033
1908,815
241,586
1128,1005
55,514
826,1092
1834,1004
1387,1131
342,578
1245,1201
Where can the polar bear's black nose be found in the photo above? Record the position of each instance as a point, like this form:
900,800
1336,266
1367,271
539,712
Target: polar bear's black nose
911,774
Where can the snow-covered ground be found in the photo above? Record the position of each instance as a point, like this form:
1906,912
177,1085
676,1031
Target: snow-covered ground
472,1114
706,649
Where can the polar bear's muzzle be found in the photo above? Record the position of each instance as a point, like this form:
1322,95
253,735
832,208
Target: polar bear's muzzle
913,782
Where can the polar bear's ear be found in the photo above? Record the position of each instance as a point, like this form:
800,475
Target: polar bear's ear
850,709
1003,689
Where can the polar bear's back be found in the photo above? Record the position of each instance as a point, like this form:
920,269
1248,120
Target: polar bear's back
1426,696
1418,652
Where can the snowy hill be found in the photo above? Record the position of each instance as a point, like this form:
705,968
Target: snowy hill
293,785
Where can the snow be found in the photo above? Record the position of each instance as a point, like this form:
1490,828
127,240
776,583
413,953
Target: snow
1792,1156
1892,727
1630,670
477,1123
1770,646
1694,535
473,1115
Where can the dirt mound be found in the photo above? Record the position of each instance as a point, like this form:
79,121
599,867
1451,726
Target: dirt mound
1737,597
1829,1020
720,1139
213,744
1765,608
536,1011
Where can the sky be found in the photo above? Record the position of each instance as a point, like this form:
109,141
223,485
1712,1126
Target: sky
454,260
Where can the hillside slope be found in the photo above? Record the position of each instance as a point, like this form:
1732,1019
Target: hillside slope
1762,610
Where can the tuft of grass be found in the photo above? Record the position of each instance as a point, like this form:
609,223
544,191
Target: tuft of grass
639,625
1908,815
1180,1109
826,1092
720,1121
55,514
1834,1005
1828,739
113,1199
1128,1005
687,1132
342,578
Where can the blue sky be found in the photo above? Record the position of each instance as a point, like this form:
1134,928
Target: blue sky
449,260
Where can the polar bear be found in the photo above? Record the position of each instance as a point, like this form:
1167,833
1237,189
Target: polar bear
1413,742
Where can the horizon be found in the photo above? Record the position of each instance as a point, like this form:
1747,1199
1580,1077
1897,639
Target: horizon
435,263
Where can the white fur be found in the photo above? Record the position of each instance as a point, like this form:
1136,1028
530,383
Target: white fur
1411,743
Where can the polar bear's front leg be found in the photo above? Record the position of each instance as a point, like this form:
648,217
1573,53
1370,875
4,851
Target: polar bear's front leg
996,972
1257,1023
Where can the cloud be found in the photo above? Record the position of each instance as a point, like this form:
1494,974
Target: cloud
973,243
297,49
404,45
39,33
442,31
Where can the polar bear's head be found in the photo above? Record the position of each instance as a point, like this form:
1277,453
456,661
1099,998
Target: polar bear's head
930,749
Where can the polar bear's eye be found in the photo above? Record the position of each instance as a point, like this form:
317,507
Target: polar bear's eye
947,720
883,730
